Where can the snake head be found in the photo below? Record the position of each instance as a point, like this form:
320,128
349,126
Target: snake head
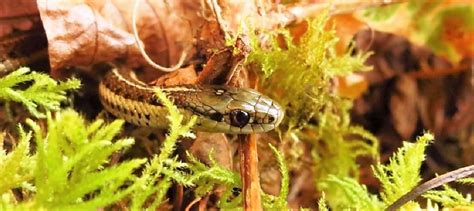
236,110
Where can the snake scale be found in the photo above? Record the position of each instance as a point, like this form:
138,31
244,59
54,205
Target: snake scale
218,108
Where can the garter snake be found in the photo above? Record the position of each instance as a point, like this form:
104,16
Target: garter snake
218,108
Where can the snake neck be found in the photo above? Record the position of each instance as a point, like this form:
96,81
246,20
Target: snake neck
122,83
218,108
127,98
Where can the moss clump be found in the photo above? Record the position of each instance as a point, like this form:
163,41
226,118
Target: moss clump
299,76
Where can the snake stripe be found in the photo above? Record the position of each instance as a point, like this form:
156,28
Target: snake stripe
218,108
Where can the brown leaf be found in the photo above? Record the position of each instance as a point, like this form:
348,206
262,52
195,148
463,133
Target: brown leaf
86,32
215,143
185,75
17,14
217,67
432,102
403,106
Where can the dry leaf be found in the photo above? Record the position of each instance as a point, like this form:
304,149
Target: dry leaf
86,32
403,106
185,75
17,14
215,145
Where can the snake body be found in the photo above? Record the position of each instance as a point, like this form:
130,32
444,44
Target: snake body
218,108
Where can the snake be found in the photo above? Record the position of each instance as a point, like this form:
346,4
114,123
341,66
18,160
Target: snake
220,109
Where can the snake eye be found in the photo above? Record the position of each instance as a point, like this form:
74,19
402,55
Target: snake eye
239,118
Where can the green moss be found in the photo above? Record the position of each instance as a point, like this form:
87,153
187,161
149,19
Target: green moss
70,168
19,162
205,178
299,76
403,172
157,177
44,93
397,178
353,195
279,202
448,197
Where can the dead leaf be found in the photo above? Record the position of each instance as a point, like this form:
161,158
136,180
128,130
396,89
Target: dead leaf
432,103
215,145
217,67
185,75
403,106
17,14
85,32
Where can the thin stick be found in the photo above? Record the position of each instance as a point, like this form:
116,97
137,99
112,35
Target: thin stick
433,183
190,205
249,172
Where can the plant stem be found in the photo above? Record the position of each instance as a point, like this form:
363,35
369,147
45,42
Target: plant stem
433,183
249,172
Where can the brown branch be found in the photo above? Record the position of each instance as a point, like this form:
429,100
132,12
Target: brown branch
249,172
433,183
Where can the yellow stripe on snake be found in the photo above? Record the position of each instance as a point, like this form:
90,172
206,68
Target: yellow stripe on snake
218,108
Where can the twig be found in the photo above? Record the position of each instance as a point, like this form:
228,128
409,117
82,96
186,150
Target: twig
433,183
190,205
249,172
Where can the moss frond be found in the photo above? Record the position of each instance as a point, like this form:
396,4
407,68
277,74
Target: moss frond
469,180
322,205
205,178
278,202
18,164
335,154
313,111
70,169
305,70
43,94
402,173
354,195
448,197
158,174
